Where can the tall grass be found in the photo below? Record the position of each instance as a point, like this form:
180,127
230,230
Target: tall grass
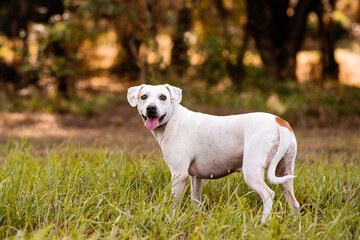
80,193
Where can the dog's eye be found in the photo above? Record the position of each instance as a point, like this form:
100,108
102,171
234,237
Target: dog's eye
162,97
143,97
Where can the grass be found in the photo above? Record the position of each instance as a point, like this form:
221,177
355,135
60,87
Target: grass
91,193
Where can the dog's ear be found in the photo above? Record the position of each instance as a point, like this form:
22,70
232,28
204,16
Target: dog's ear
175,93
133,95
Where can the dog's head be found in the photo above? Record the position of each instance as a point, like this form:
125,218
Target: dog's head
155,103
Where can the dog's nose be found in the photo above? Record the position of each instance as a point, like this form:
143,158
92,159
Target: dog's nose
151,110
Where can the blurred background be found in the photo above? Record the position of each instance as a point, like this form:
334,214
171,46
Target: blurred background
65,65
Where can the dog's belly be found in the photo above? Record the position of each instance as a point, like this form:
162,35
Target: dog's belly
218,150
214,168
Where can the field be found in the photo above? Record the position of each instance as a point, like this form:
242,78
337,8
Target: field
76,161
72,176
72,192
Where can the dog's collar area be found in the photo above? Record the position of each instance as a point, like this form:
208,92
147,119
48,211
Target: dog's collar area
160,126
162,118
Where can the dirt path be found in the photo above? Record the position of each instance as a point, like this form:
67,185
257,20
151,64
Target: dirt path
120,125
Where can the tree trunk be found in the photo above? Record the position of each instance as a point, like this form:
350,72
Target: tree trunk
10,78
237,71
330,68
126,62
134,46
179,57
279,31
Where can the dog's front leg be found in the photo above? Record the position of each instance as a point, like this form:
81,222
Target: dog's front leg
196,185
178,187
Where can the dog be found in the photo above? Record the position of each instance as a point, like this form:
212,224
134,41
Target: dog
205,146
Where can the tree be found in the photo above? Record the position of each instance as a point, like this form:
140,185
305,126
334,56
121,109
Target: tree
221,39
324,10
179,57
15,17
278,28
133,24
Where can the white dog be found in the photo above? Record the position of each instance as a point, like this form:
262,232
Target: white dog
203,146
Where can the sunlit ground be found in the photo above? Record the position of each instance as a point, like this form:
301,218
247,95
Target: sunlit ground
308,67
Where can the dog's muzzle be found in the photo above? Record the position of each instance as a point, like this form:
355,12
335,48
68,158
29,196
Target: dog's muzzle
152,120
151,111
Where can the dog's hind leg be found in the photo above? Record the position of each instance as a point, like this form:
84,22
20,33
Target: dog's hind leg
286,167
255,180
254,163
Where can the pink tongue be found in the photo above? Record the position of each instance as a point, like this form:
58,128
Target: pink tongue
152,123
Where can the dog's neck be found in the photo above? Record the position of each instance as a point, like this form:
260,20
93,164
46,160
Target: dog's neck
161,133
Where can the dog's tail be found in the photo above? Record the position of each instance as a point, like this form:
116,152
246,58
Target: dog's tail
284,142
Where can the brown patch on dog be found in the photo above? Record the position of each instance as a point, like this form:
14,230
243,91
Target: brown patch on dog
284,123
140,92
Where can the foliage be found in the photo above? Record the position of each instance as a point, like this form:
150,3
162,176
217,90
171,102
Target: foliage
219,26
85,105
323,105
73,193
54,42
214,66
15,15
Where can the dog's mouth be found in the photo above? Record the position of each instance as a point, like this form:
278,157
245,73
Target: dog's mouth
153,122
